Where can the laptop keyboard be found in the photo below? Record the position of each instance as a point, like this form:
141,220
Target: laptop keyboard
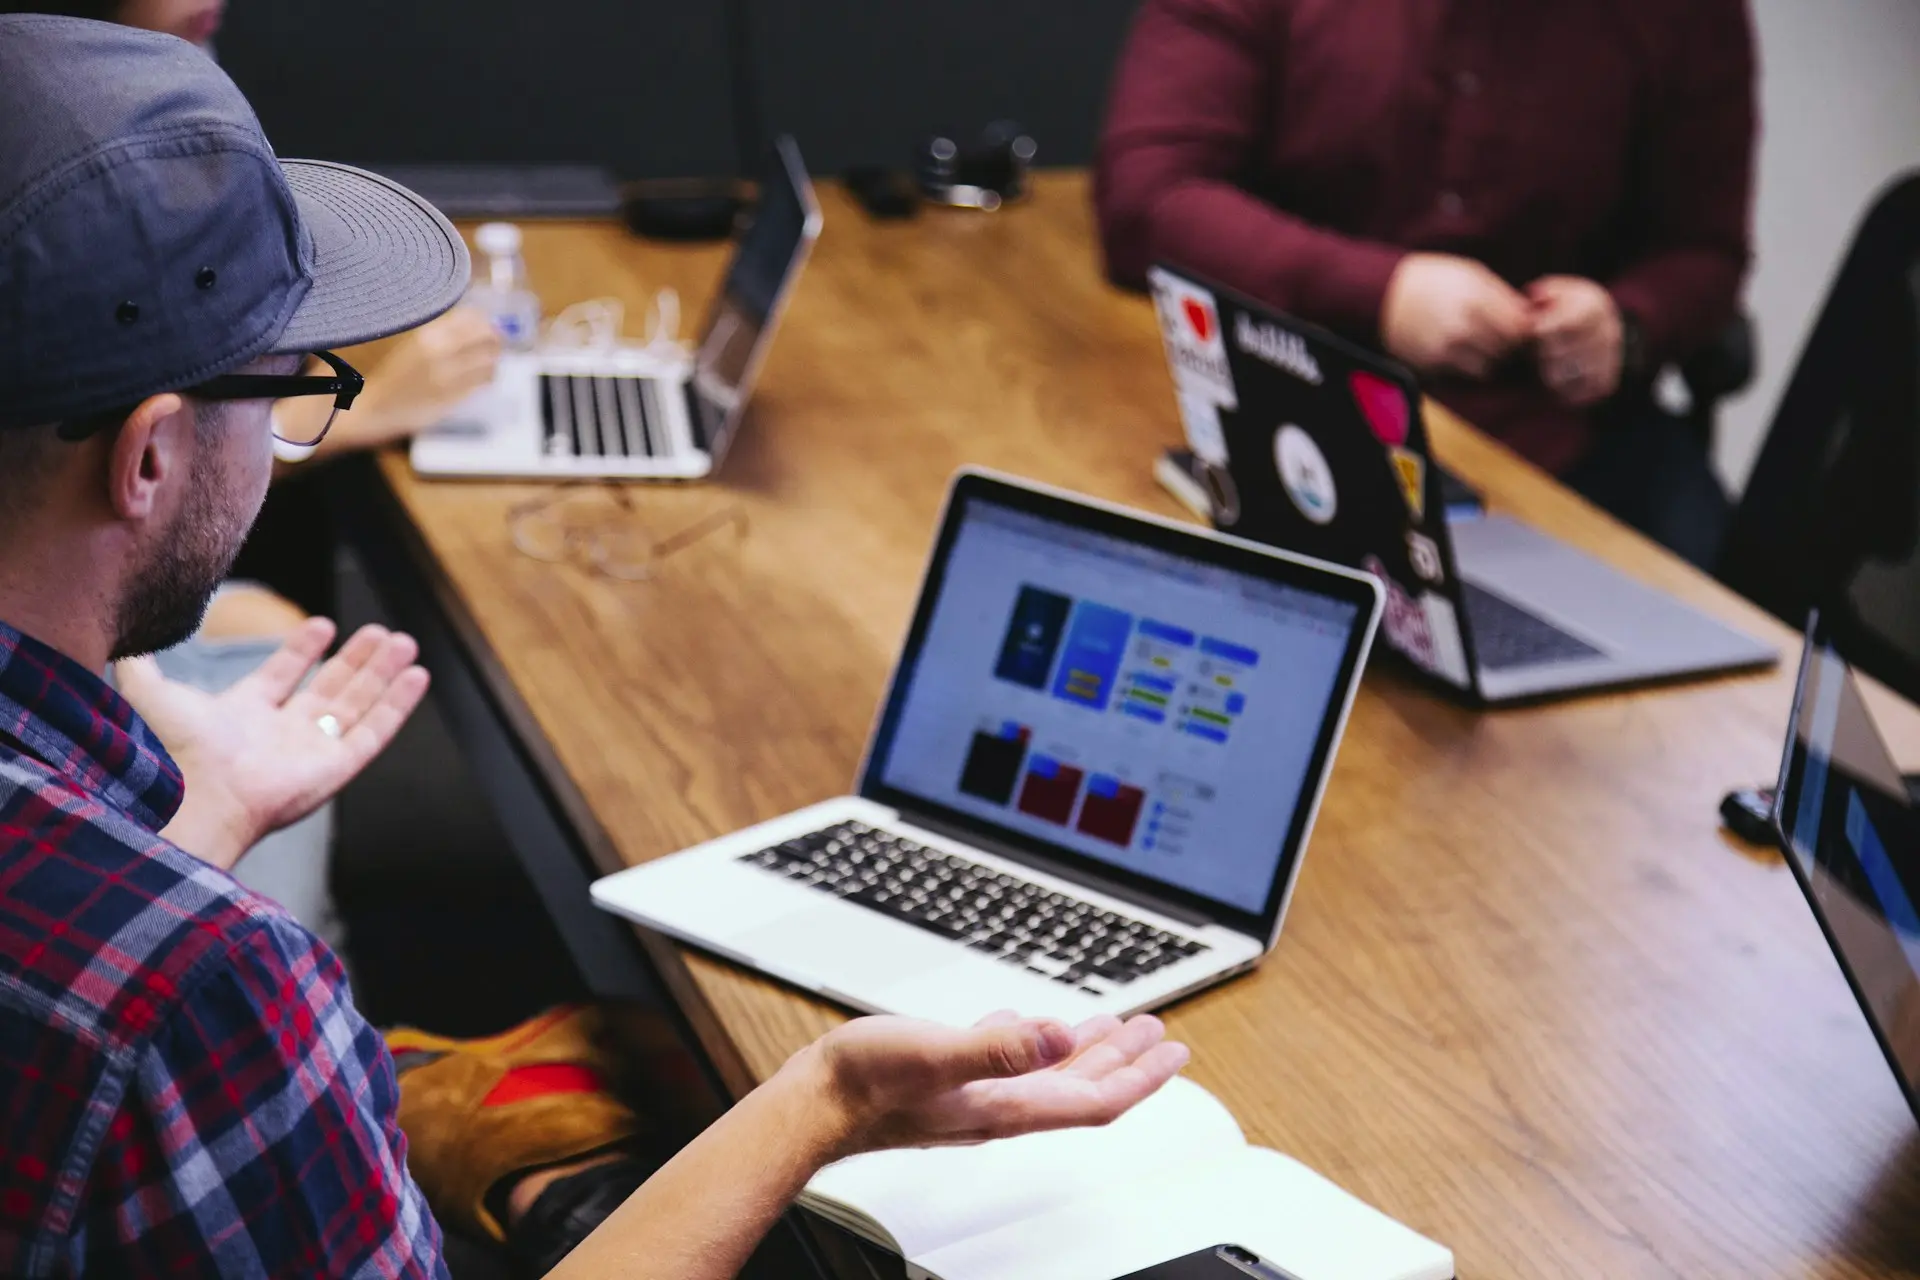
1506,636
588,416
1052,934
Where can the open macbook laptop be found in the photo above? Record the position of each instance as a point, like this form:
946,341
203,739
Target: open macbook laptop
630,413
1851,833
1089,786
1311,443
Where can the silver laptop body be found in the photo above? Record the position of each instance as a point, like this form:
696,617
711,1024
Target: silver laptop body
1626,632
632,412
1088,789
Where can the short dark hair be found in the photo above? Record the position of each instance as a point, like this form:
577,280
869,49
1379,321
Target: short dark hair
26,456
98,10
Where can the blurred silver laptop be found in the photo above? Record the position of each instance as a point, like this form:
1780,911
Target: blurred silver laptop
629,412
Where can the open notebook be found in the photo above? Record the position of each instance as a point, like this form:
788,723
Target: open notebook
1172,1176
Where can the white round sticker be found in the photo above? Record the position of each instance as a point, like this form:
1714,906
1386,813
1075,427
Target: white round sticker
1304,474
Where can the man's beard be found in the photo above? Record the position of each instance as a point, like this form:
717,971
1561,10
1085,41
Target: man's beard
168,598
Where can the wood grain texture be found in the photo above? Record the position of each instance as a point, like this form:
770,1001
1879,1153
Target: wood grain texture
1529,1000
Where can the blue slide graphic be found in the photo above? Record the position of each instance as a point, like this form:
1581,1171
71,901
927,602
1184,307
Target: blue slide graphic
1096,642
1877,864
1033,636
1166,633
1235,653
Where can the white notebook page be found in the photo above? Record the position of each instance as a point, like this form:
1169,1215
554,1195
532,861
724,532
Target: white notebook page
1252,1197
930,1198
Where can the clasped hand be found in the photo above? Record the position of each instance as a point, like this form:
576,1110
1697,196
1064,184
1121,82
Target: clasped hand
1448,314
272,749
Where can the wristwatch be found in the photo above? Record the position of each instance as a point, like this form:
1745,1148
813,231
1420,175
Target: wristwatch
1633,350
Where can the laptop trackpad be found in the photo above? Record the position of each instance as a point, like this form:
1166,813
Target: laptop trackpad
845,947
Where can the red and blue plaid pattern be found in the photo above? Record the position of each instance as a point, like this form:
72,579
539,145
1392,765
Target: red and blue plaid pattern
185,1085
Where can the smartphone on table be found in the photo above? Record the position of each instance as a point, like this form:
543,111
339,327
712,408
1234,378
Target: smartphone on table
1222,1262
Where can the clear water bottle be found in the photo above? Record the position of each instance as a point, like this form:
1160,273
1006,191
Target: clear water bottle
500,289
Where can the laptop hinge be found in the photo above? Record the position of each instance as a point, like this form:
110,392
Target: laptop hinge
1039,862
696,421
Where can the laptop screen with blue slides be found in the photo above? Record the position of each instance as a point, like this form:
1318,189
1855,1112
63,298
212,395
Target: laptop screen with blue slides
1157,714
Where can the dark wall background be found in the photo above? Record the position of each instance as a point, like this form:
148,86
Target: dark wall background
863,81
642,86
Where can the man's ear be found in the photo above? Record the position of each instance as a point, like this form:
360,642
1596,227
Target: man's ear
152,447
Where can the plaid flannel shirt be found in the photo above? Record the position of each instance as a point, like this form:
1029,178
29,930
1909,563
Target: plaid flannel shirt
185,1085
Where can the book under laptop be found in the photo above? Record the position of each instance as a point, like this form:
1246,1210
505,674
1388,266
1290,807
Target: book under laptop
1309,442
630,412
1089,786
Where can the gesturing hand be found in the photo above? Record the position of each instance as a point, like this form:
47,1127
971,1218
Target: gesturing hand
268,752
902,1083
424,376
1449,314
1579,337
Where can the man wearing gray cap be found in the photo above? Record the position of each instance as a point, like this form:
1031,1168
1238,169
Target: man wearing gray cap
185,1085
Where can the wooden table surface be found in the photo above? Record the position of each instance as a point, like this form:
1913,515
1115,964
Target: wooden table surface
1530,1000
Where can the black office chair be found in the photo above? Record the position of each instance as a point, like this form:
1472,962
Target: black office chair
1831,516
1655,471
1721,370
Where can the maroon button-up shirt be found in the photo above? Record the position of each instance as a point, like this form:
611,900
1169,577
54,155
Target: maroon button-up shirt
1296,149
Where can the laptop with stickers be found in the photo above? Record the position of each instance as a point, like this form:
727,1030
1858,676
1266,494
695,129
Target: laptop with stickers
1311,443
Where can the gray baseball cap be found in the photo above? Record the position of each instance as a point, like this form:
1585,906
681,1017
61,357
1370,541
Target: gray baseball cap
151,240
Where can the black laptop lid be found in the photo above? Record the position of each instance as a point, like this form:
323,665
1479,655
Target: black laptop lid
1311,443
740,328
1852,837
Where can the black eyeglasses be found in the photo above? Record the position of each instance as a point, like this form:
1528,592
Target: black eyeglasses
344,386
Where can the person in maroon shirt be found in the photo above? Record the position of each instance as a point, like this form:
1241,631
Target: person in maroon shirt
1536,206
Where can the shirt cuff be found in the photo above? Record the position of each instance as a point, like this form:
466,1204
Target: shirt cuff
1641,299
1346,287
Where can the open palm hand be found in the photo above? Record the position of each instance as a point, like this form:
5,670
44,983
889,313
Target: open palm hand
906,1083
271,750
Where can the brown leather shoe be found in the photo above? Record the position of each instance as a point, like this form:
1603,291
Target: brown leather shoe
476,1112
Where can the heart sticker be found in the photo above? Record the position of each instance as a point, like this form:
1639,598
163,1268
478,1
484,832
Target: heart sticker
1198,318
1384,404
